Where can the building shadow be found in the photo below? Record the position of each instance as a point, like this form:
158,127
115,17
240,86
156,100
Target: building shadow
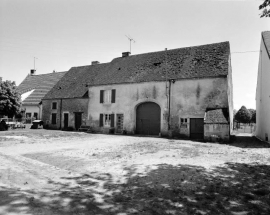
183,189
247,141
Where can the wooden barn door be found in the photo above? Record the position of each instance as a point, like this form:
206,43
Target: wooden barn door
148,119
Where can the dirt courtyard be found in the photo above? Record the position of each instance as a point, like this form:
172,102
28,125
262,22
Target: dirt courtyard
56,172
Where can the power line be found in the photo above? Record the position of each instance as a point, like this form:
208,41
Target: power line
243,52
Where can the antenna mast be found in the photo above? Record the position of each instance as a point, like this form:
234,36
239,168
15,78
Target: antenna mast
35,63
130,39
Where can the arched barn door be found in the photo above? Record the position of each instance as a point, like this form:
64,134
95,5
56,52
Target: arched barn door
148,119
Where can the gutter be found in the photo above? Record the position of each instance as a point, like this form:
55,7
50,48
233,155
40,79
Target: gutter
60,114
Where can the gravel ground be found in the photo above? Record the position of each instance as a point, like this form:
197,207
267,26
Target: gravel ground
55,172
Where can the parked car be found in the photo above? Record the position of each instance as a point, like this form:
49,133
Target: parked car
37,124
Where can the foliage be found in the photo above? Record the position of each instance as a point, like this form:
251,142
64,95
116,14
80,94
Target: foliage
253,115
265,7
10,100
243,115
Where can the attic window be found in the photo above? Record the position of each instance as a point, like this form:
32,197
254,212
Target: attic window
59,88
157,64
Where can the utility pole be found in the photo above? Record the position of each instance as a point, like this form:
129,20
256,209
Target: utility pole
130,39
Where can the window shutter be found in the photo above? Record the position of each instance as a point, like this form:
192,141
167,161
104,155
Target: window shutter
112,120
113,96
101,96
101,120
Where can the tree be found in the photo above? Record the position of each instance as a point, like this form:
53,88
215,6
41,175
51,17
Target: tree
243,115
253,115
10,99
265,7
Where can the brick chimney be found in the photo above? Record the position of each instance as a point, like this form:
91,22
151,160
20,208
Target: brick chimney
32,72
125,54
95,62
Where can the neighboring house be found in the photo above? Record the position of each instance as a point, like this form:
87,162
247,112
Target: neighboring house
263,90
33,88
160,93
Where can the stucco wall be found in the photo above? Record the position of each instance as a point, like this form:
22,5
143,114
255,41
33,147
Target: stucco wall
263,96
33,109
68,106
217,132
189,99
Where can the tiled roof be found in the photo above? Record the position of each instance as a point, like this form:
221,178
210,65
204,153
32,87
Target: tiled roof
42,85
266,38
192,62
217,116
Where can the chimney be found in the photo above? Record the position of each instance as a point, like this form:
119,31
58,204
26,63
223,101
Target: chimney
125,54
95,62
32,72
0,79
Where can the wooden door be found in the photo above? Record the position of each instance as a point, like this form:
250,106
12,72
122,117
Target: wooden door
148,119
119,123
78,120
196,128
65,120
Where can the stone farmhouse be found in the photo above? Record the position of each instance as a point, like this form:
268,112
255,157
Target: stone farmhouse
263,90
185,92
33,88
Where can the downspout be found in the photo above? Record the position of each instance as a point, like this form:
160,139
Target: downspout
60,114
169,111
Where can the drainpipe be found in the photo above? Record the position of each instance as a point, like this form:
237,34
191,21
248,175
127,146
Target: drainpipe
60,114
169,114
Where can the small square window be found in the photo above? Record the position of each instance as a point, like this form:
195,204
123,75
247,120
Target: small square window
54,105
183,120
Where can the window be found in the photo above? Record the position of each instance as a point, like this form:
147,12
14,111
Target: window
28,115
35,115
183,123
54,105
183,120
106,120
54,118
107,96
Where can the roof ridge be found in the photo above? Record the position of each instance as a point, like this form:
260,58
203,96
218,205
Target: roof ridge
168,50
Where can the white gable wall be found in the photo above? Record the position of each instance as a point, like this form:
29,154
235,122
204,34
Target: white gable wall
263,95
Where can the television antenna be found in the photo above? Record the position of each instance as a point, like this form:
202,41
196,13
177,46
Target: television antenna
130,39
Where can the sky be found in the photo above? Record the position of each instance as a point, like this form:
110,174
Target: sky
66,33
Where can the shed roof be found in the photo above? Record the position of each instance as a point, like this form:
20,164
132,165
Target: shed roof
210,60
266,39
41,84
217,116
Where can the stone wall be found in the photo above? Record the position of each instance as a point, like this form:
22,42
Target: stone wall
216,132
189,99
69,106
